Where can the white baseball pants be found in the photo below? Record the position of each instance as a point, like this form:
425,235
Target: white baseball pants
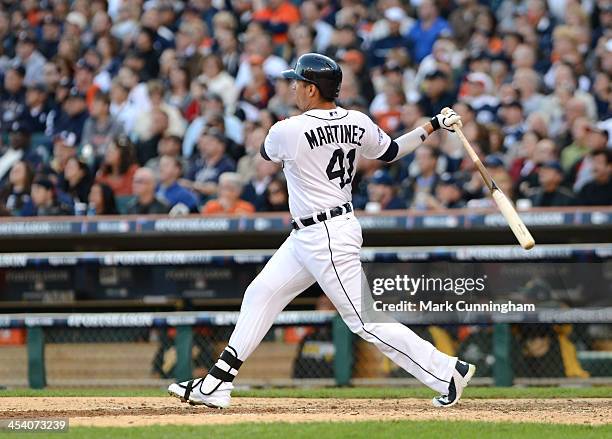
328,253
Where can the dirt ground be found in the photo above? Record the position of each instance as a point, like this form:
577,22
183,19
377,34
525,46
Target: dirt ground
128,412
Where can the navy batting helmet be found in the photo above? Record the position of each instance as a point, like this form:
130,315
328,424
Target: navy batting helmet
319,70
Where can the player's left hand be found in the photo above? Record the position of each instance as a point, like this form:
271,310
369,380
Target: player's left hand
447,118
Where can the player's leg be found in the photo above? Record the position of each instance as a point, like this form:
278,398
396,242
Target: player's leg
336,266
282,279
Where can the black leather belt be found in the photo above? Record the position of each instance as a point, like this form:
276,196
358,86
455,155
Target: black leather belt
321,216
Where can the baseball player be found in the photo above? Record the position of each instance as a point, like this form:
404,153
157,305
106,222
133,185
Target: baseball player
319,150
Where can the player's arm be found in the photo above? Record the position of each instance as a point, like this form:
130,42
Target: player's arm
407,143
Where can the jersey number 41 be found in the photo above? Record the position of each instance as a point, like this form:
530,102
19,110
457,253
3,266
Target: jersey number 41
337,160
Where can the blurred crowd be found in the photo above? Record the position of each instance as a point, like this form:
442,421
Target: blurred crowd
159,106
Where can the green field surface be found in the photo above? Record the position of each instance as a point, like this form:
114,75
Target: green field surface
335,392
337,430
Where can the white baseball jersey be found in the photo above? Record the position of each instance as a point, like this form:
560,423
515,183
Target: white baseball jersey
319,150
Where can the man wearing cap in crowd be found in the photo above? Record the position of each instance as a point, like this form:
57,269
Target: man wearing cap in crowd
382,193
36,110
50,37
210,163
84,80
479,88
551,193
511,114
395,18
436,94
46,200
12,97
28,56
449,194
73,115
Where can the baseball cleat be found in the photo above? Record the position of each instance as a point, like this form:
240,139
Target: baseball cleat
192,392
462,374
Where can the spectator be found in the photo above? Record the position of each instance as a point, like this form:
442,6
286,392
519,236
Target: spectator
282,103
178,96
228,197
598,191
211,162
124,111
101,200
100,128
51,33
19,139
146,128
12,97
211,106
167,145
545,151
526,81
76,180
64,147
277,16
436,94
37,109
272,65
187,40
119,165
479,89
247,163
84,75
382,193
158,123
277,198
264,171
449,194
256,94
146,202
550,193
379,50
582,171
578,148
29,57
311,12
422,186
511,114
73,115
45,200
219,81
427,29
169,191
15,196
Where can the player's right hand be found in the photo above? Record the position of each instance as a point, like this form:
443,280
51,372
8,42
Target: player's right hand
446,119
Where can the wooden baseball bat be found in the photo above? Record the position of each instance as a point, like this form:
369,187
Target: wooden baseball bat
503,203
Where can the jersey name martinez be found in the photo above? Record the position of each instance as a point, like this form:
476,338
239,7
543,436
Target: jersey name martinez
324,135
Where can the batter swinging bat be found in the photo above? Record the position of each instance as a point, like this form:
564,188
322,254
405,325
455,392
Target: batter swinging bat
505,206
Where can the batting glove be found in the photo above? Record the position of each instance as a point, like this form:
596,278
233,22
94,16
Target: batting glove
446,119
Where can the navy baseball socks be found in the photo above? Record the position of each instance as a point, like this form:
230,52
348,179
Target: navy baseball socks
462,374
215,389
